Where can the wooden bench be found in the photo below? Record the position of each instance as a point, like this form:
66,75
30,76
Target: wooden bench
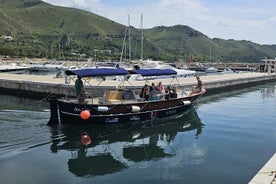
114,96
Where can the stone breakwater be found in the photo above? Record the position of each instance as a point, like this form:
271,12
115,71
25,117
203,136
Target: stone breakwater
43,86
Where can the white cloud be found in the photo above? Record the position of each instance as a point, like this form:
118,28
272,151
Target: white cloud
272,19
189,8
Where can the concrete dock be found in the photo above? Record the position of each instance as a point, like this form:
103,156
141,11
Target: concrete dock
267,174
42,86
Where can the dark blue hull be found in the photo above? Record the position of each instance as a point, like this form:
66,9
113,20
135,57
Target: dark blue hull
69,113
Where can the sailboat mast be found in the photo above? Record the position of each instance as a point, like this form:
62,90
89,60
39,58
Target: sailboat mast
124,45
129,41
142,38
210,52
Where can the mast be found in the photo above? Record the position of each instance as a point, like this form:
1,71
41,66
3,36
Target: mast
142,38
129,42
210,52
123,47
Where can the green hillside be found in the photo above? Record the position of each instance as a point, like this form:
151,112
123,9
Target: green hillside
39,29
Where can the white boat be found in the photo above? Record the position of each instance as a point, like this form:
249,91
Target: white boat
211,70
47,67
13,68
149,64
227,71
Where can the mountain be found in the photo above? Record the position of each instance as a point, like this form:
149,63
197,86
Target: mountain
39,29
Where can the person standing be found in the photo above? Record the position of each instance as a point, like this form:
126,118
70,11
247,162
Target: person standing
79,89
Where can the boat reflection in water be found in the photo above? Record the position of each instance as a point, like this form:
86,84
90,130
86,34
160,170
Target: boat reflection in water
105,149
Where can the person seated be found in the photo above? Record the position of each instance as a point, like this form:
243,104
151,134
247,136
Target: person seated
167,94
153,95
145,92
173,93
160,88
170,93
153,87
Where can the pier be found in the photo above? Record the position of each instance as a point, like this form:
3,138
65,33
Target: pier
252,67
267,174
42,86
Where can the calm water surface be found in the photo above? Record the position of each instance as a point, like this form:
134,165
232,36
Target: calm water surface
227,138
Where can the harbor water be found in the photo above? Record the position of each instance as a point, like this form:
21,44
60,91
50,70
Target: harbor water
226,138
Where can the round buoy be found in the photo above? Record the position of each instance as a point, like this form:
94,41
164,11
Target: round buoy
86,140
85,114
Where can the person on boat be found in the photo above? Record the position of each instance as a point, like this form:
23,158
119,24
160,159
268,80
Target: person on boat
153,95
160,88
153,87
167,94
145,92
198,87
170,92
79,88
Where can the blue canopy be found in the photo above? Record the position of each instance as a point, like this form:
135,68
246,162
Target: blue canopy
155,72
97,72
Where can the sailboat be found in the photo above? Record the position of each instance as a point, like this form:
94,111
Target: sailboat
211,69
150,64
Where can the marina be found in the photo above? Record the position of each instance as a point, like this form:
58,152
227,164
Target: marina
188,97
43,86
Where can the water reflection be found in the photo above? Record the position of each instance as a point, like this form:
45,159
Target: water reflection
266,91
100,150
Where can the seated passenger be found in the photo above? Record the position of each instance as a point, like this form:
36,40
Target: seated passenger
153,87
170,93
173,94
160,88
145,91
167,95
153,95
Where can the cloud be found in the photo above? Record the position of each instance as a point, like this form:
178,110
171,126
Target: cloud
89,5
272,19
185,7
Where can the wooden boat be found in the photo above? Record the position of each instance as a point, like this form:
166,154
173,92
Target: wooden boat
119,105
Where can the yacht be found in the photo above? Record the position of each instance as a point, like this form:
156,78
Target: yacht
150,64
13,68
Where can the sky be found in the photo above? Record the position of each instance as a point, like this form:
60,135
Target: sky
251,20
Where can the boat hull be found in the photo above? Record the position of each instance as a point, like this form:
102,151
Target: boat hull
69,113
